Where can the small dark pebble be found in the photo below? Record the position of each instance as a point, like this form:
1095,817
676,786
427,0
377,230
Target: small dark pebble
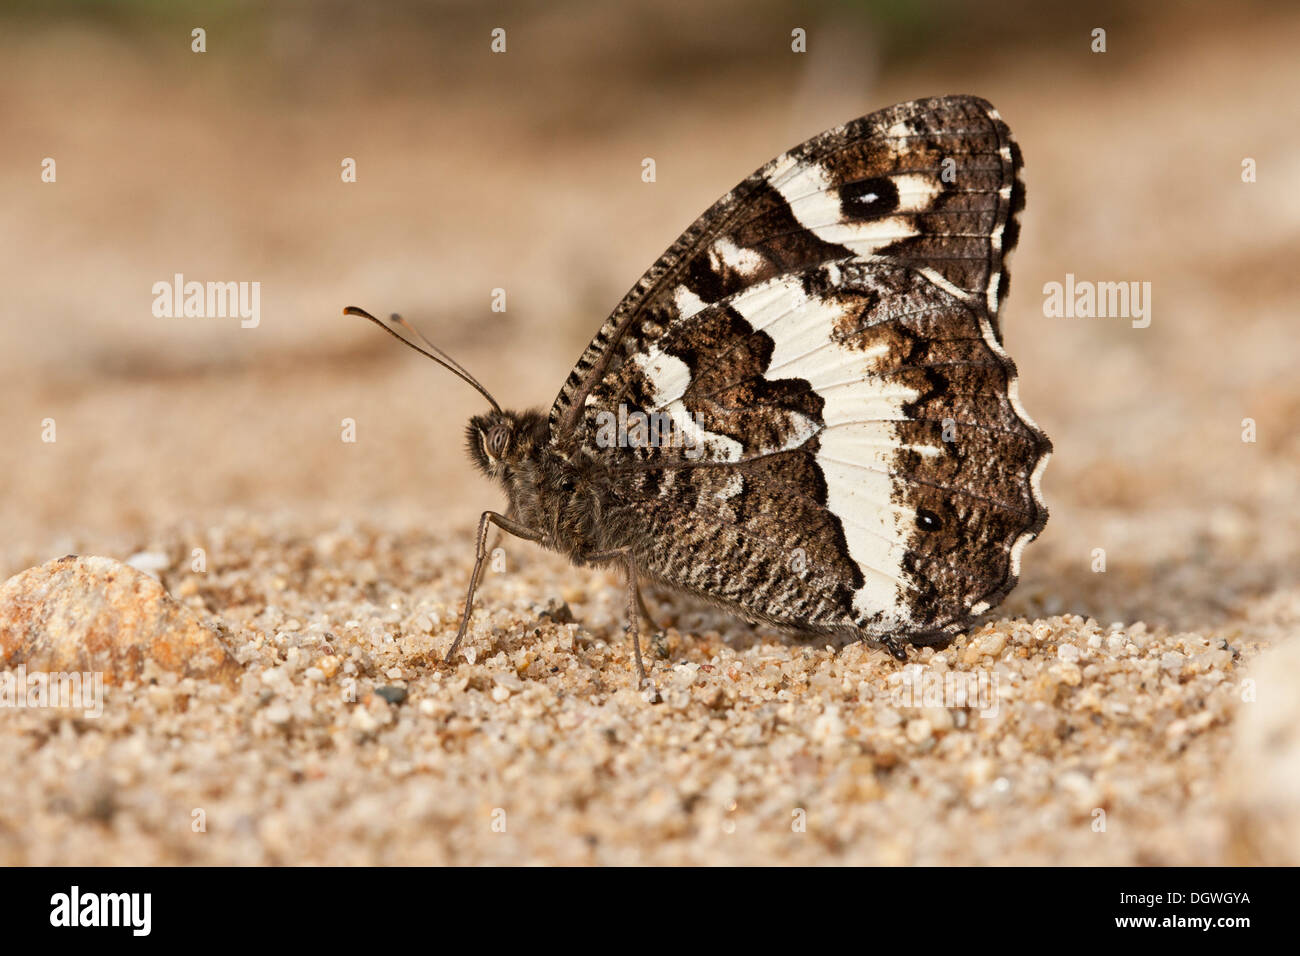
394,695
558,611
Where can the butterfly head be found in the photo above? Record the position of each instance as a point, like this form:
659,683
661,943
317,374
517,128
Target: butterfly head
500,441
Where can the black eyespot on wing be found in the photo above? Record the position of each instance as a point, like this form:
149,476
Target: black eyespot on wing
868,198
927,520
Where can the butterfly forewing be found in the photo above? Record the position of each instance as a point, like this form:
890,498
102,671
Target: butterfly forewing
835,443
931,183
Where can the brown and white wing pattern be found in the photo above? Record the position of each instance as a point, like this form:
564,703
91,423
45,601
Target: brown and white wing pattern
836,440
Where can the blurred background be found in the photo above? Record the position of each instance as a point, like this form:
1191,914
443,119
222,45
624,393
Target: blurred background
521,171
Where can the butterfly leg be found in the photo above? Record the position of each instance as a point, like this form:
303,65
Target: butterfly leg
645,610
496,543
633,599
481,553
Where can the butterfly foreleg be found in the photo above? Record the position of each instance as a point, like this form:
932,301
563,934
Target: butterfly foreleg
480,556
481,566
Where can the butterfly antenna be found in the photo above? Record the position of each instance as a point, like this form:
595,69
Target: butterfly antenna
430,351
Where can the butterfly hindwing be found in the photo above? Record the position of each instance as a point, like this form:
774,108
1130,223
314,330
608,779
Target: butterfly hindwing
834,438
843,443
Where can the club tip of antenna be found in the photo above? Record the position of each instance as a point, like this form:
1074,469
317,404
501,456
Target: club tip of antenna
353,310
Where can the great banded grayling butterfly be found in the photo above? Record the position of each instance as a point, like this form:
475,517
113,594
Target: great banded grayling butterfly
803,411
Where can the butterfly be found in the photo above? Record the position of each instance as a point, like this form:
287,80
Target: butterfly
803,411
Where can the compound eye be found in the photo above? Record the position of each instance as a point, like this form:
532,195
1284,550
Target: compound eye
498,438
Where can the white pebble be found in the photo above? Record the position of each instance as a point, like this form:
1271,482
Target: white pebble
509,680
919,730
150,562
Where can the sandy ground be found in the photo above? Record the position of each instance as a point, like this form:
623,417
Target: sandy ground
1144,713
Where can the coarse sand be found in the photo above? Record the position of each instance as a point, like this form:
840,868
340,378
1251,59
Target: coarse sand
1077,741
